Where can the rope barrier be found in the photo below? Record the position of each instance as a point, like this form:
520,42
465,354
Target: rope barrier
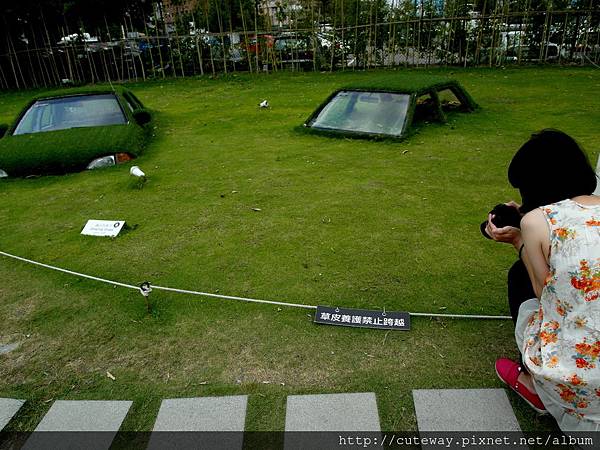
230,297
146,287
591,62
70,272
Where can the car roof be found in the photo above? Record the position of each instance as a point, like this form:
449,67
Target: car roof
86,90
424,84
121,92
394,83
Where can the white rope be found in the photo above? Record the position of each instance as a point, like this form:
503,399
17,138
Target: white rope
160,288
591,62
460,316
230,297
70,272
146,288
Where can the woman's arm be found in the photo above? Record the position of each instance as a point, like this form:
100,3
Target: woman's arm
536,239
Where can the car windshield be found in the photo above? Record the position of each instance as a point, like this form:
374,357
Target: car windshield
71,112
364,112
291,43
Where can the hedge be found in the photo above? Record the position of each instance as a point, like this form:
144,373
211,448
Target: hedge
69,150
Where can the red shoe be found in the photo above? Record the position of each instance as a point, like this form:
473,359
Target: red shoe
508,371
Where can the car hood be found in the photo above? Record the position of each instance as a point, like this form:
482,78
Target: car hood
69,150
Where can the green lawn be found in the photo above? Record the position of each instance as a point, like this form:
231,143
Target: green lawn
342,222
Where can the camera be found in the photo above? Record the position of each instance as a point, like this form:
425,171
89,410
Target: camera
504,216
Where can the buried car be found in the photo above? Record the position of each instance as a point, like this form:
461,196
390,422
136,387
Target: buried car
74,130
388,109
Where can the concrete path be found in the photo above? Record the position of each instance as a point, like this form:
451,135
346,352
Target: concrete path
332,412
8,408
202,414
100,419
329,412
210,416
219,422
464,410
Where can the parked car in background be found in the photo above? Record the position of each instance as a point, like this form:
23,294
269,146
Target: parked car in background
296,50
259,43
534,53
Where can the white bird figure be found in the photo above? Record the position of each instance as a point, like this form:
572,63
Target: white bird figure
140,177
137,172
264,104
3,174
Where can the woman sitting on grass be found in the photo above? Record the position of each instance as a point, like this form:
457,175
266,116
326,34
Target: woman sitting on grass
558,333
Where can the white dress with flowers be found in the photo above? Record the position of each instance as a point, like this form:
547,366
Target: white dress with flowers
561,333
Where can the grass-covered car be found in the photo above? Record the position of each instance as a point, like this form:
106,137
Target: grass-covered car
72,130
389,109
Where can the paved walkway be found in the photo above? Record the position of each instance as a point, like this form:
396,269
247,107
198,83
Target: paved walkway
436,410
332,412
464,409
206,414
8,408
70,417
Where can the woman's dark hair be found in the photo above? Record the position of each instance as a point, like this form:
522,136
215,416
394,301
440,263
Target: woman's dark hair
550,167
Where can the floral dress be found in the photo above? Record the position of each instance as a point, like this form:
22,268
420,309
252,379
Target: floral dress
561,336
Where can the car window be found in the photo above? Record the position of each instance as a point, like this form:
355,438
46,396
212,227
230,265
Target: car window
129,103
426,110
46,118
364,112
71,112
291,43
132,101
449,101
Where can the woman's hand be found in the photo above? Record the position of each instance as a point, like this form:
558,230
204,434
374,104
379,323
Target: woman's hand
513,204
509,235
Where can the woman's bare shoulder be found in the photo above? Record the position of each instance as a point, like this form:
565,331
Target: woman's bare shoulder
533,219
587,200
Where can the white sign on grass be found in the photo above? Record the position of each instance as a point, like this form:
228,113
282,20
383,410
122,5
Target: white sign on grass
103,227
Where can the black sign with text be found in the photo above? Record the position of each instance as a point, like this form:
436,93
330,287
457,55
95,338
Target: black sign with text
363,318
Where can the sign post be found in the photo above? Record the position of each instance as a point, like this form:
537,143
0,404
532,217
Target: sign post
363,318
110,228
